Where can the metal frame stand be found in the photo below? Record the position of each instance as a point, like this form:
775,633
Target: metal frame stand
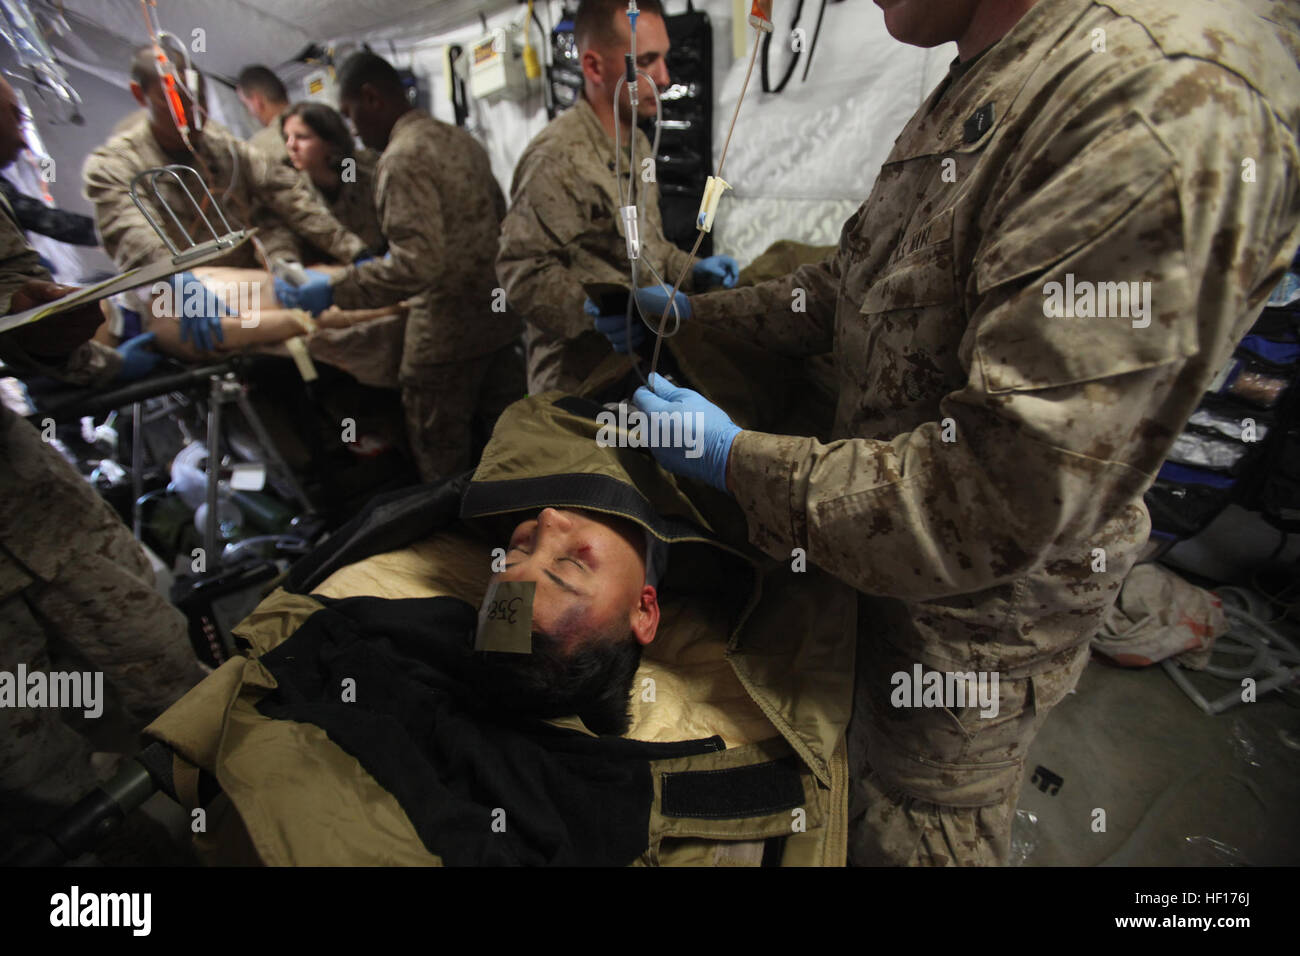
222,390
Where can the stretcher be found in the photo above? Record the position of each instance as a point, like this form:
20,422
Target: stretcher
750,657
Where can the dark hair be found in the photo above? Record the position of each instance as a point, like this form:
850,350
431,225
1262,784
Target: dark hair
594,681
258,79
366,67
144,62
326,123
594,23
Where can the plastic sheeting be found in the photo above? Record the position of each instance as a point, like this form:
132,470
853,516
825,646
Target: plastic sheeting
802,161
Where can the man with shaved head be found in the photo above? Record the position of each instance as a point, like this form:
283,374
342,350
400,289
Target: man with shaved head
264,96
564,229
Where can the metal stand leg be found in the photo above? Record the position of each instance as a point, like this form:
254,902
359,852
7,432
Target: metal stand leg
272,453
225,389
137,467
212,554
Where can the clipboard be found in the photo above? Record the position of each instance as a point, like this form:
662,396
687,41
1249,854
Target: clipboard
194,254
131,279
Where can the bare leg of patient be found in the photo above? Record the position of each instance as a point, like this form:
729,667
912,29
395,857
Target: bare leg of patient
260,320
239,333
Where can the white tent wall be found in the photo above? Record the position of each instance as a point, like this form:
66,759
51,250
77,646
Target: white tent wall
802,161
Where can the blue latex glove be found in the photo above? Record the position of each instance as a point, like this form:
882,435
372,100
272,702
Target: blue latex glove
138,360
199,311
614,327
711,432
652,300
315,295
716,271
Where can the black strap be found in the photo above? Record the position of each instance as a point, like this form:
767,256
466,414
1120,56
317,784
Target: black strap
735,792
773,851
387,522
601,492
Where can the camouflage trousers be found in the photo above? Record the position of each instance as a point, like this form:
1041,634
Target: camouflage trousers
78,597
451,408
937,786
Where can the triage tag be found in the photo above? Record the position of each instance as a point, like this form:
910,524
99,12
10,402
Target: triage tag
505,621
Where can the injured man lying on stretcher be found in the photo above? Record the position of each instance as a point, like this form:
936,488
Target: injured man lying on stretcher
569,657
586,607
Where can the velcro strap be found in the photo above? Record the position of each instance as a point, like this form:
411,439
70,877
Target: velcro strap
734,793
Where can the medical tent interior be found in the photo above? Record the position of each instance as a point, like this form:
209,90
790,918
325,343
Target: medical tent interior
1186,776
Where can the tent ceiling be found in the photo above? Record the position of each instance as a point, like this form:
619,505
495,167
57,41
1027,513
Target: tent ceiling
239,32
334,19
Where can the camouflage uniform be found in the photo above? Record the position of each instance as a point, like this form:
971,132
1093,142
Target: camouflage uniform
440,211
564,229
270,140
984,488
353,206
250,188
72,580
58,224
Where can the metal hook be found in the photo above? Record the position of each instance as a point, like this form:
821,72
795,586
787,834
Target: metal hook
227,238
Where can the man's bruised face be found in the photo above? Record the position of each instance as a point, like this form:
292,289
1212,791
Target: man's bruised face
590,575
592,612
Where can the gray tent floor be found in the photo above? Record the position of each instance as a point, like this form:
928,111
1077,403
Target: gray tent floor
1177,787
